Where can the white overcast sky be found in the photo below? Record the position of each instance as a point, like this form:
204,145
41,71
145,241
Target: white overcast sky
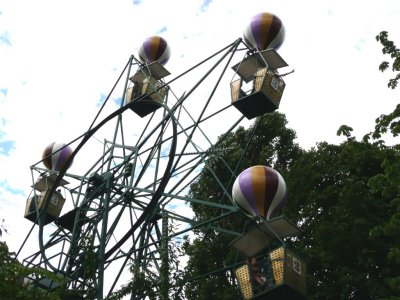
58,59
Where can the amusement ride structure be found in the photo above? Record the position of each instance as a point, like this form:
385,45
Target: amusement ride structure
91,228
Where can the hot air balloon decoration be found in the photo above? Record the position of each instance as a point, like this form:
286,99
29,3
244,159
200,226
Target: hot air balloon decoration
56,155
260,191
147,82
265,31
155,48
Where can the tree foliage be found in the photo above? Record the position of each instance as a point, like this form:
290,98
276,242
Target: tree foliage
146,284
389,48
340,194
388,123
344,197
13,274
2,228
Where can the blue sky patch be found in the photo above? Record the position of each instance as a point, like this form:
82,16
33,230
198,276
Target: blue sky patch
5,39
8,188
172,206
4,91
101,100
205,5
164,29
6,147
118,100
165,151
137,2
359,45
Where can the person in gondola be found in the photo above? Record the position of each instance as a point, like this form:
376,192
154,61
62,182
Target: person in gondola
136,89
257,274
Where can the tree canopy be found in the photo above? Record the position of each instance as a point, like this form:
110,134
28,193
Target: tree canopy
389,123
389,48
346,200
13,275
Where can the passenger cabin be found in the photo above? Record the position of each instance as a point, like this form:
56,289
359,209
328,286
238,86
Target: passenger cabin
96,187
259,88
36,203
147,90
272,271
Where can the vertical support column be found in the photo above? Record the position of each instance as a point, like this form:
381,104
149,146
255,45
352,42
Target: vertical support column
164,270
102,246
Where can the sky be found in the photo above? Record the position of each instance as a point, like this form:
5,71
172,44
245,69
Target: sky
59,59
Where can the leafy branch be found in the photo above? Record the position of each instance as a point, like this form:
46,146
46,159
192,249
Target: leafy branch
390,122
390,48
2,228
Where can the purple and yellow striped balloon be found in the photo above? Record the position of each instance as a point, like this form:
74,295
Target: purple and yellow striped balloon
155,48
56,161
265,31
260,191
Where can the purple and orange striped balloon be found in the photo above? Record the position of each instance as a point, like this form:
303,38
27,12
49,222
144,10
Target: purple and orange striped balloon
155,48
265,31
56,155
260,191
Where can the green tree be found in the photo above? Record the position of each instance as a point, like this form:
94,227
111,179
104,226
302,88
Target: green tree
345,198
389,48
2,228
391,122
12,275
146,284
386,184
337,193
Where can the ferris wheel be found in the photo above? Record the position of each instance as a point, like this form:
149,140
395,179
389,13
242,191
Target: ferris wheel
101,206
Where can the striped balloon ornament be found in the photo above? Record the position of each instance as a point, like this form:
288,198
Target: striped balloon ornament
265,31
56,161
155,48
260,191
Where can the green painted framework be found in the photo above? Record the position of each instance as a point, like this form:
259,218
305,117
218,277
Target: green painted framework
116,185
